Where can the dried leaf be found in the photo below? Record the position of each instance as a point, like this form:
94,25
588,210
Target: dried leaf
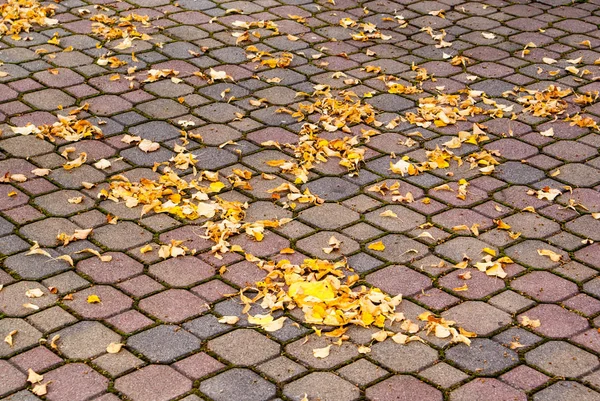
321,353
114,348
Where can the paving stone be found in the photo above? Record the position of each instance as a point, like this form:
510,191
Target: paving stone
74,381
560,358
486,389
478,317
164,343
119,363
111,302
443,375
332,188
51,319
13,297
27,336
399,280
303,351
399,358
249,386
154,382
322,385
329,216
524,378
566,390
544,286
281,368
39,359
197,366
403,388
85,340
479,285
510,301
173,306
121,236
181,272
483,356
244,347
12,379
556,322
119,268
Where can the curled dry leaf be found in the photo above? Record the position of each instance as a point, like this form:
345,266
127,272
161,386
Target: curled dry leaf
9,339
532,323
41,172
31,306
103,258
34,293
114,348
555,257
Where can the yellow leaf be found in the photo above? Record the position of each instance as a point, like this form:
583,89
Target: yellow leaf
216,186
527,322
489,251
377,246
321,353
34,377
464,287
555,257
114,348
40,389
388,213
67,259
9,338
93,299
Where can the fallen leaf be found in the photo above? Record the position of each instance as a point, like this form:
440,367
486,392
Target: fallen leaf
40,389
229,320
114,348
34,293
9,338
527,322
34,377
321,353
93,299
555,257
377,246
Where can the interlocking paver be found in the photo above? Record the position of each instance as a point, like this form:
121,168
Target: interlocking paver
322,385
249,386
154,382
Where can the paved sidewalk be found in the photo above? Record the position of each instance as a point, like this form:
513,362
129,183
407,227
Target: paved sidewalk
471,189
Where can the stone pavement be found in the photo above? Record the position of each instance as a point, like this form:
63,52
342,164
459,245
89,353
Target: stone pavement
537,328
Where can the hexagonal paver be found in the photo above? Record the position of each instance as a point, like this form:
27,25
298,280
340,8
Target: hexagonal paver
85,340
244,347
248,386
457,248
545,286
483,356
111,302
13,297
560,358
480,285
487,389
403,388
411,357
478,317
328,216
555,322
314,245
332,188
153,383
303,351
406,220
173,306
181,272
119,268
532,225
323,386
566,390
123,235
12,379
27,336
75,381
527,254
400,249
401,280
164,343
